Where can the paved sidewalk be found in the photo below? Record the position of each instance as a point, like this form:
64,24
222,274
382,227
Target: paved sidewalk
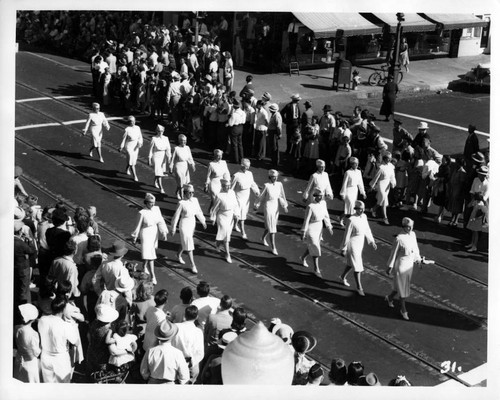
424,75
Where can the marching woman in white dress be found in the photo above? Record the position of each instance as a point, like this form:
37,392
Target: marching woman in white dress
150,224
132,142
272,196
159,155
318,180
357,230
225,212
96,122
185,215
351,187
179,163
382,182
217,170
404,255
316,214
243,182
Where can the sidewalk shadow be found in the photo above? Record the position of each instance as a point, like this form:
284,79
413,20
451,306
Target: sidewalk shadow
320,87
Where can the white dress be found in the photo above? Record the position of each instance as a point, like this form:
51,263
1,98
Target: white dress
242,183
357,230
132,141
273,195
225,208
186,214
150,222
404,254
383,180
27,363
55,337
216,171
160,153
351,186
179,162
319,181
316,214
95,123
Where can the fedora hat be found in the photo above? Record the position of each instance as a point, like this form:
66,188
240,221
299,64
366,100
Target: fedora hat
118,249
124,283
296,97
226,338
369,379
484,170
423,125
478,157
273,107
327,107
105,313
19,213
267,96
273,172
166,330
306,345
28,311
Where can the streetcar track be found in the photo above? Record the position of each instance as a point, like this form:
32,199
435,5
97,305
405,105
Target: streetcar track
338,313
286,229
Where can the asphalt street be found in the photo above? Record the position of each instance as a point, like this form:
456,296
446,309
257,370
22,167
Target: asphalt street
449,303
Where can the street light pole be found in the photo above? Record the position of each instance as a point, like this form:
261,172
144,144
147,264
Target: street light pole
395,67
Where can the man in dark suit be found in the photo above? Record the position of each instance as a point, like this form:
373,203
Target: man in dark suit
471,147
291,114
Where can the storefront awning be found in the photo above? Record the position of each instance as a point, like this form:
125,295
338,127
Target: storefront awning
326,25
457,21
412,22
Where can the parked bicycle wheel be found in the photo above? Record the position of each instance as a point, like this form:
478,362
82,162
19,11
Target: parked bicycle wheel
400,77
374,79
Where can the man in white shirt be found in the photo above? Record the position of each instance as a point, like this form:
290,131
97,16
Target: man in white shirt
260,126
236,122
189,340
206,305
112,270
163,363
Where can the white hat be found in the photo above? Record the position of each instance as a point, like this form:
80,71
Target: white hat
106,313
124,283
28,311
423,125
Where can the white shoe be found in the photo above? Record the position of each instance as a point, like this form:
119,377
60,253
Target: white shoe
389,302
237,228
244,236
361,292
162,191
275,252
341,222
101,160
344,281
304,262
194,270
228,259
264,241
128,171
181,261
91,154
404,315
136,179
153,281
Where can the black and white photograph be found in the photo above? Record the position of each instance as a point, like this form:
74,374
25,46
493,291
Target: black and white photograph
259,194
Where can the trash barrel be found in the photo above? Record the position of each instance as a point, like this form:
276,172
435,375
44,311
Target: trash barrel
342,74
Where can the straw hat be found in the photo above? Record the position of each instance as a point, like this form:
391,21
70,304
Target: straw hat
423,125
124,283
166,330
226,338
118,249
28,311
105,313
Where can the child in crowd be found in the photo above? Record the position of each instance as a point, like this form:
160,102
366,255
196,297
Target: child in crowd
122,345
295,149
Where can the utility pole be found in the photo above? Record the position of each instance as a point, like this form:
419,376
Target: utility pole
196,28
395,67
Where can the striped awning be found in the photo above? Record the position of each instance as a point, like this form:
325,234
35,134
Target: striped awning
326,25
457,21
412,22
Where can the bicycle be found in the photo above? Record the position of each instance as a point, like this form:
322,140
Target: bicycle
380,77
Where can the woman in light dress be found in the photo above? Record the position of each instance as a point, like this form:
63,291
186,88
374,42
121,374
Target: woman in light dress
318,180
217,170
27,361
243,182
404,255
150,224
351,187
185,215
316,214
225,212
181,159
382,182
272,196
96,122
159,155
132,142
357,230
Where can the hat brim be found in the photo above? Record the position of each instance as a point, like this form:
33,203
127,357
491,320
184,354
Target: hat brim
119,253
312,340
109,316
127,288
172,333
